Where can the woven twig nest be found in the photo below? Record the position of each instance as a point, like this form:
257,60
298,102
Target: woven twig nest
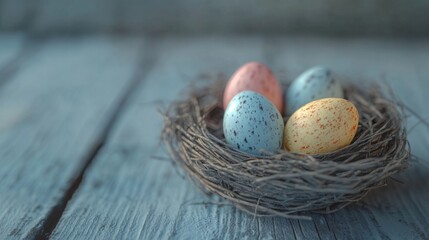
287,184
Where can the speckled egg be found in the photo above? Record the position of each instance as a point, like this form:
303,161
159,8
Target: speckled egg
255,77
321,126
251,123
313,84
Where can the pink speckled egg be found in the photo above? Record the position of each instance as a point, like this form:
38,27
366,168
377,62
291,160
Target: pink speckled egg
321,126
255,77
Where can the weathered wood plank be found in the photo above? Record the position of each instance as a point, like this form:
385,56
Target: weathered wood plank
62,99
129,193
10,45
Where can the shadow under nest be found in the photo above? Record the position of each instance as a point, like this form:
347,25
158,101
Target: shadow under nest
283,183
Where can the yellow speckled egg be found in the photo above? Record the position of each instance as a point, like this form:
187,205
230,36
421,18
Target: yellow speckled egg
321,126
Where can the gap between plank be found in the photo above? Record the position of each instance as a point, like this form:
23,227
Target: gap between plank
145,63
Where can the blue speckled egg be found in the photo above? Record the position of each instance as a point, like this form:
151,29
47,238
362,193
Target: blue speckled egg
313,84
252,123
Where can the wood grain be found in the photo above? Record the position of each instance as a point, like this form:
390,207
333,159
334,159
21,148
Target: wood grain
60,100
132,192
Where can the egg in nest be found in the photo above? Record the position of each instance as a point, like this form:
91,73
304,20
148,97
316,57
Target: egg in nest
253,124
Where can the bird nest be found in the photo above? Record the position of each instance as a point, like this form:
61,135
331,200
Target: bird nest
284,183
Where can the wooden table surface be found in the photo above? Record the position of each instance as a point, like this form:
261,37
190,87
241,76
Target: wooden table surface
80,156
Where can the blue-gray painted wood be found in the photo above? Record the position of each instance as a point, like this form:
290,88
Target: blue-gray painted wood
60,101
129,193
10,45
352,17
